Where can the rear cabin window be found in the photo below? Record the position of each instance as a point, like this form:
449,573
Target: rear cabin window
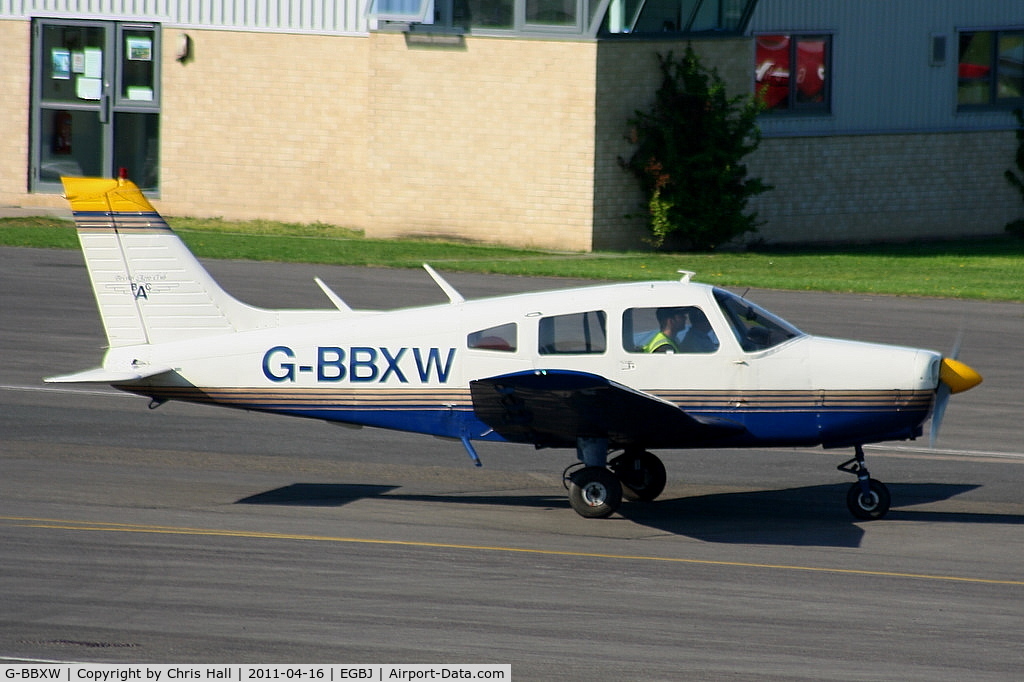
682,329
502,338
574,334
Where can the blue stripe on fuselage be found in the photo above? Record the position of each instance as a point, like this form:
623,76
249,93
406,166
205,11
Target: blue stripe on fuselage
450,414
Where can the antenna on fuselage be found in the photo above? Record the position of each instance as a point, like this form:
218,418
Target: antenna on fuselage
453,295
686,275
335,299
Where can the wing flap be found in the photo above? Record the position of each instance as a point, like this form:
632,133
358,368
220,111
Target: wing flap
555,407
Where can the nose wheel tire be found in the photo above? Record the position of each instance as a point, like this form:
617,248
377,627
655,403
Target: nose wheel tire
870,506
594,492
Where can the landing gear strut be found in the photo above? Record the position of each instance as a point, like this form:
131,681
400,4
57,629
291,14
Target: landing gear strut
867,499
594,491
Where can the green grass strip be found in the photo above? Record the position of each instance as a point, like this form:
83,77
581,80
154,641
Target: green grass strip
987,269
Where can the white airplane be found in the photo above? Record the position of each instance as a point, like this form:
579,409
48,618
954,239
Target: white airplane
610,370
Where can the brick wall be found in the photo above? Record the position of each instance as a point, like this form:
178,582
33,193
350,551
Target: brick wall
15,55
263,125
491,140
877,187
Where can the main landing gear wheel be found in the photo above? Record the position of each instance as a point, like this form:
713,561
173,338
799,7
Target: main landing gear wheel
873,505
594,492
641,473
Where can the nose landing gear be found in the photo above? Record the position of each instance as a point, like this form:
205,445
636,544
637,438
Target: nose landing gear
868,498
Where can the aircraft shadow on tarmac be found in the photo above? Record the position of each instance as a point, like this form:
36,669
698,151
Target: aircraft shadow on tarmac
804,516
316,494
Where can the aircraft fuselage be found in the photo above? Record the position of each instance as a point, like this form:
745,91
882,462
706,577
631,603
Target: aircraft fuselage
410,369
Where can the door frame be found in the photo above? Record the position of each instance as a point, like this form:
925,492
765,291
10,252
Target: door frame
112,100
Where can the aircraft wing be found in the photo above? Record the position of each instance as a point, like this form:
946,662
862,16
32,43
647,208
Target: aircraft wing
555,407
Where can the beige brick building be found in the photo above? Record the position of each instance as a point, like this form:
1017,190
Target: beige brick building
502,132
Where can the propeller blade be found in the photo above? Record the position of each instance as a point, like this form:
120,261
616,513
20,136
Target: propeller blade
954,377
955,353
938,412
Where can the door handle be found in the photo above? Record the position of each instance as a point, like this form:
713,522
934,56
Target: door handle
105,107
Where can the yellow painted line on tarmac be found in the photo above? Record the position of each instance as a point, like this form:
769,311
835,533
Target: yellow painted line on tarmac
64,524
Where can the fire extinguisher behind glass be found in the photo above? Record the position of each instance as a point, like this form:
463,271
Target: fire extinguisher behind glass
62,132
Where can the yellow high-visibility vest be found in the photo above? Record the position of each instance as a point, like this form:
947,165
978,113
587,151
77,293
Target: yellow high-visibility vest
659,340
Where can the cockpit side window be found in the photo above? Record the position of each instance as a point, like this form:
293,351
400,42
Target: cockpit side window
573,334
502,338
681,329
755,328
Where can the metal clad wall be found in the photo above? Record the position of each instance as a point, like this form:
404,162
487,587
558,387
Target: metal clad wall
290,16
882,78
23,9
300,16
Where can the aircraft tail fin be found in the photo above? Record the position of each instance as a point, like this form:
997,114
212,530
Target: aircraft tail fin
148,285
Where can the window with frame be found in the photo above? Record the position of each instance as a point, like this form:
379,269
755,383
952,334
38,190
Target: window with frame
793,73
755,328
551,12
603,18
401,10
647,330
437,15
675,16
502,338
491,14
467,15
990,69
573,334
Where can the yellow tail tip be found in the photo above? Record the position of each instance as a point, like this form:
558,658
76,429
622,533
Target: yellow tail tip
104,194
958,376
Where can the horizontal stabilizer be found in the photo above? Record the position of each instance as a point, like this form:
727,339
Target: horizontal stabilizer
104,376
555,407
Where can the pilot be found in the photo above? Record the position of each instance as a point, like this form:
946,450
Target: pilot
672,321
700,338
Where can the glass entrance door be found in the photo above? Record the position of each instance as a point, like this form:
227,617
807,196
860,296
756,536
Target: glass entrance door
95,102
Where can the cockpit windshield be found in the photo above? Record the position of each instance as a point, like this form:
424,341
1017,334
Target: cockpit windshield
755,328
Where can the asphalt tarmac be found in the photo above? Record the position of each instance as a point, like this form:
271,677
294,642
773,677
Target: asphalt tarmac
192,534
